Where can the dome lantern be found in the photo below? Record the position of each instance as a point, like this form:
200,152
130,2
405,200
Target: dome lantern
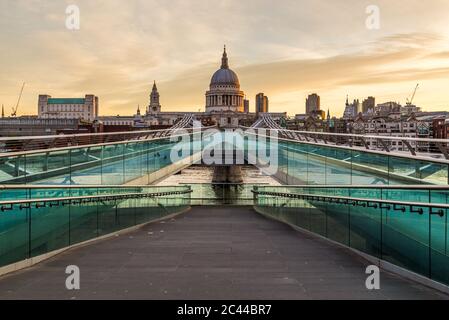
224,60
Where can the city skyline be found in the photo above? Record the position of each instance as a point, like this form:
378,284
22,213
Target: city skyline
279,57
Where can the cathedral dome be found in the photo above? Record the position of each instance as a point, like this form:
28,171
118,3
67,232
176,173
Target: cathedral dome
224,75
224,94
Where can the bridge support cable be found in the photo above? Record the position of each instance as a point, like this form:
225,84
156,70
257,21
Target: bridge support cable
270,123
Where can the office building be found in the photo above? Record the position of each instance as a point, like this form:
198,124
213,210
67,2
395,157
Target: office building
368,105
68,108
246,106
351,109
261,103
313,103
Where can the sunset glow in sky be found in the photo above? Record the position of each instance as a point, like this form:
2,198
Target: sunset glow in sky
286,49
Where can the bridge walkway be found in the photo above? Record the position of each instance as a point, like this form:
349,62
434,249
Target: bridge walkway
210,253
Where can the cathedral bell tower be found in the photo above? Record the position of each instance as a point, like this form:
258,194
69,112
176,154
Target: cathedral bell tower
154,106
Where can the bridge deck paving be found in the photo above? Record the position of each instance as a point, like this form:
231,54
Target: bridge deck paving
210,253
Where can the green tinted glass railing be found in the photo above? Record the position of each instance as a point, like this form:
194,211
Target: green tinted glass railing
36,221
107,164
406,227
312,163
295,162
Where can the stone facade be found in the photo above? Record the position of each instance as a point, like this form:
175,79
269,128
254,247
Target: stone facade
154,107
68,108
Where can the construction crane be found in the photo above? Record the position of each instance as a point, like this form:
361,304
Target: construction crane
14,110
409,102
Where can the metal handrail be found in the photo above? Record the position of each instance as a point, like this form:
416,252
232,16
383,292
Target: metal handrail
440,144
75,135
85,139
82,186
331,134
313,186
361,149
364,202
96,197
368,186
37,151
80,135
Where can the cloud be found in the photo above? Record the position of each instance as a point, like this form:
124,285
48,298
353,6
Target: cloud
439,55
285,50
312,74
418,39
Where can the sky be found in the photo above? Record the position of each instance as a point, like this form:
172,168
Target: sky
286,49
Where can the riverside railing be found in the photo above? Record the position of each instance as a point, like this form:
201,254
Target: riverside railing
297,162
313,161
404,225
391,143
105,163
27,143
41,219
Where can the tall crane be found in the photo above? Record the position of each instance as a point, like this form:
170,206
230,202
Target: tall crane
409,102
14,110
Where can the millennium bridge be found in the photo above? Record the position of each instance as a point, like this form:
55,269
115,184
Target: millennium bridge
343,204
